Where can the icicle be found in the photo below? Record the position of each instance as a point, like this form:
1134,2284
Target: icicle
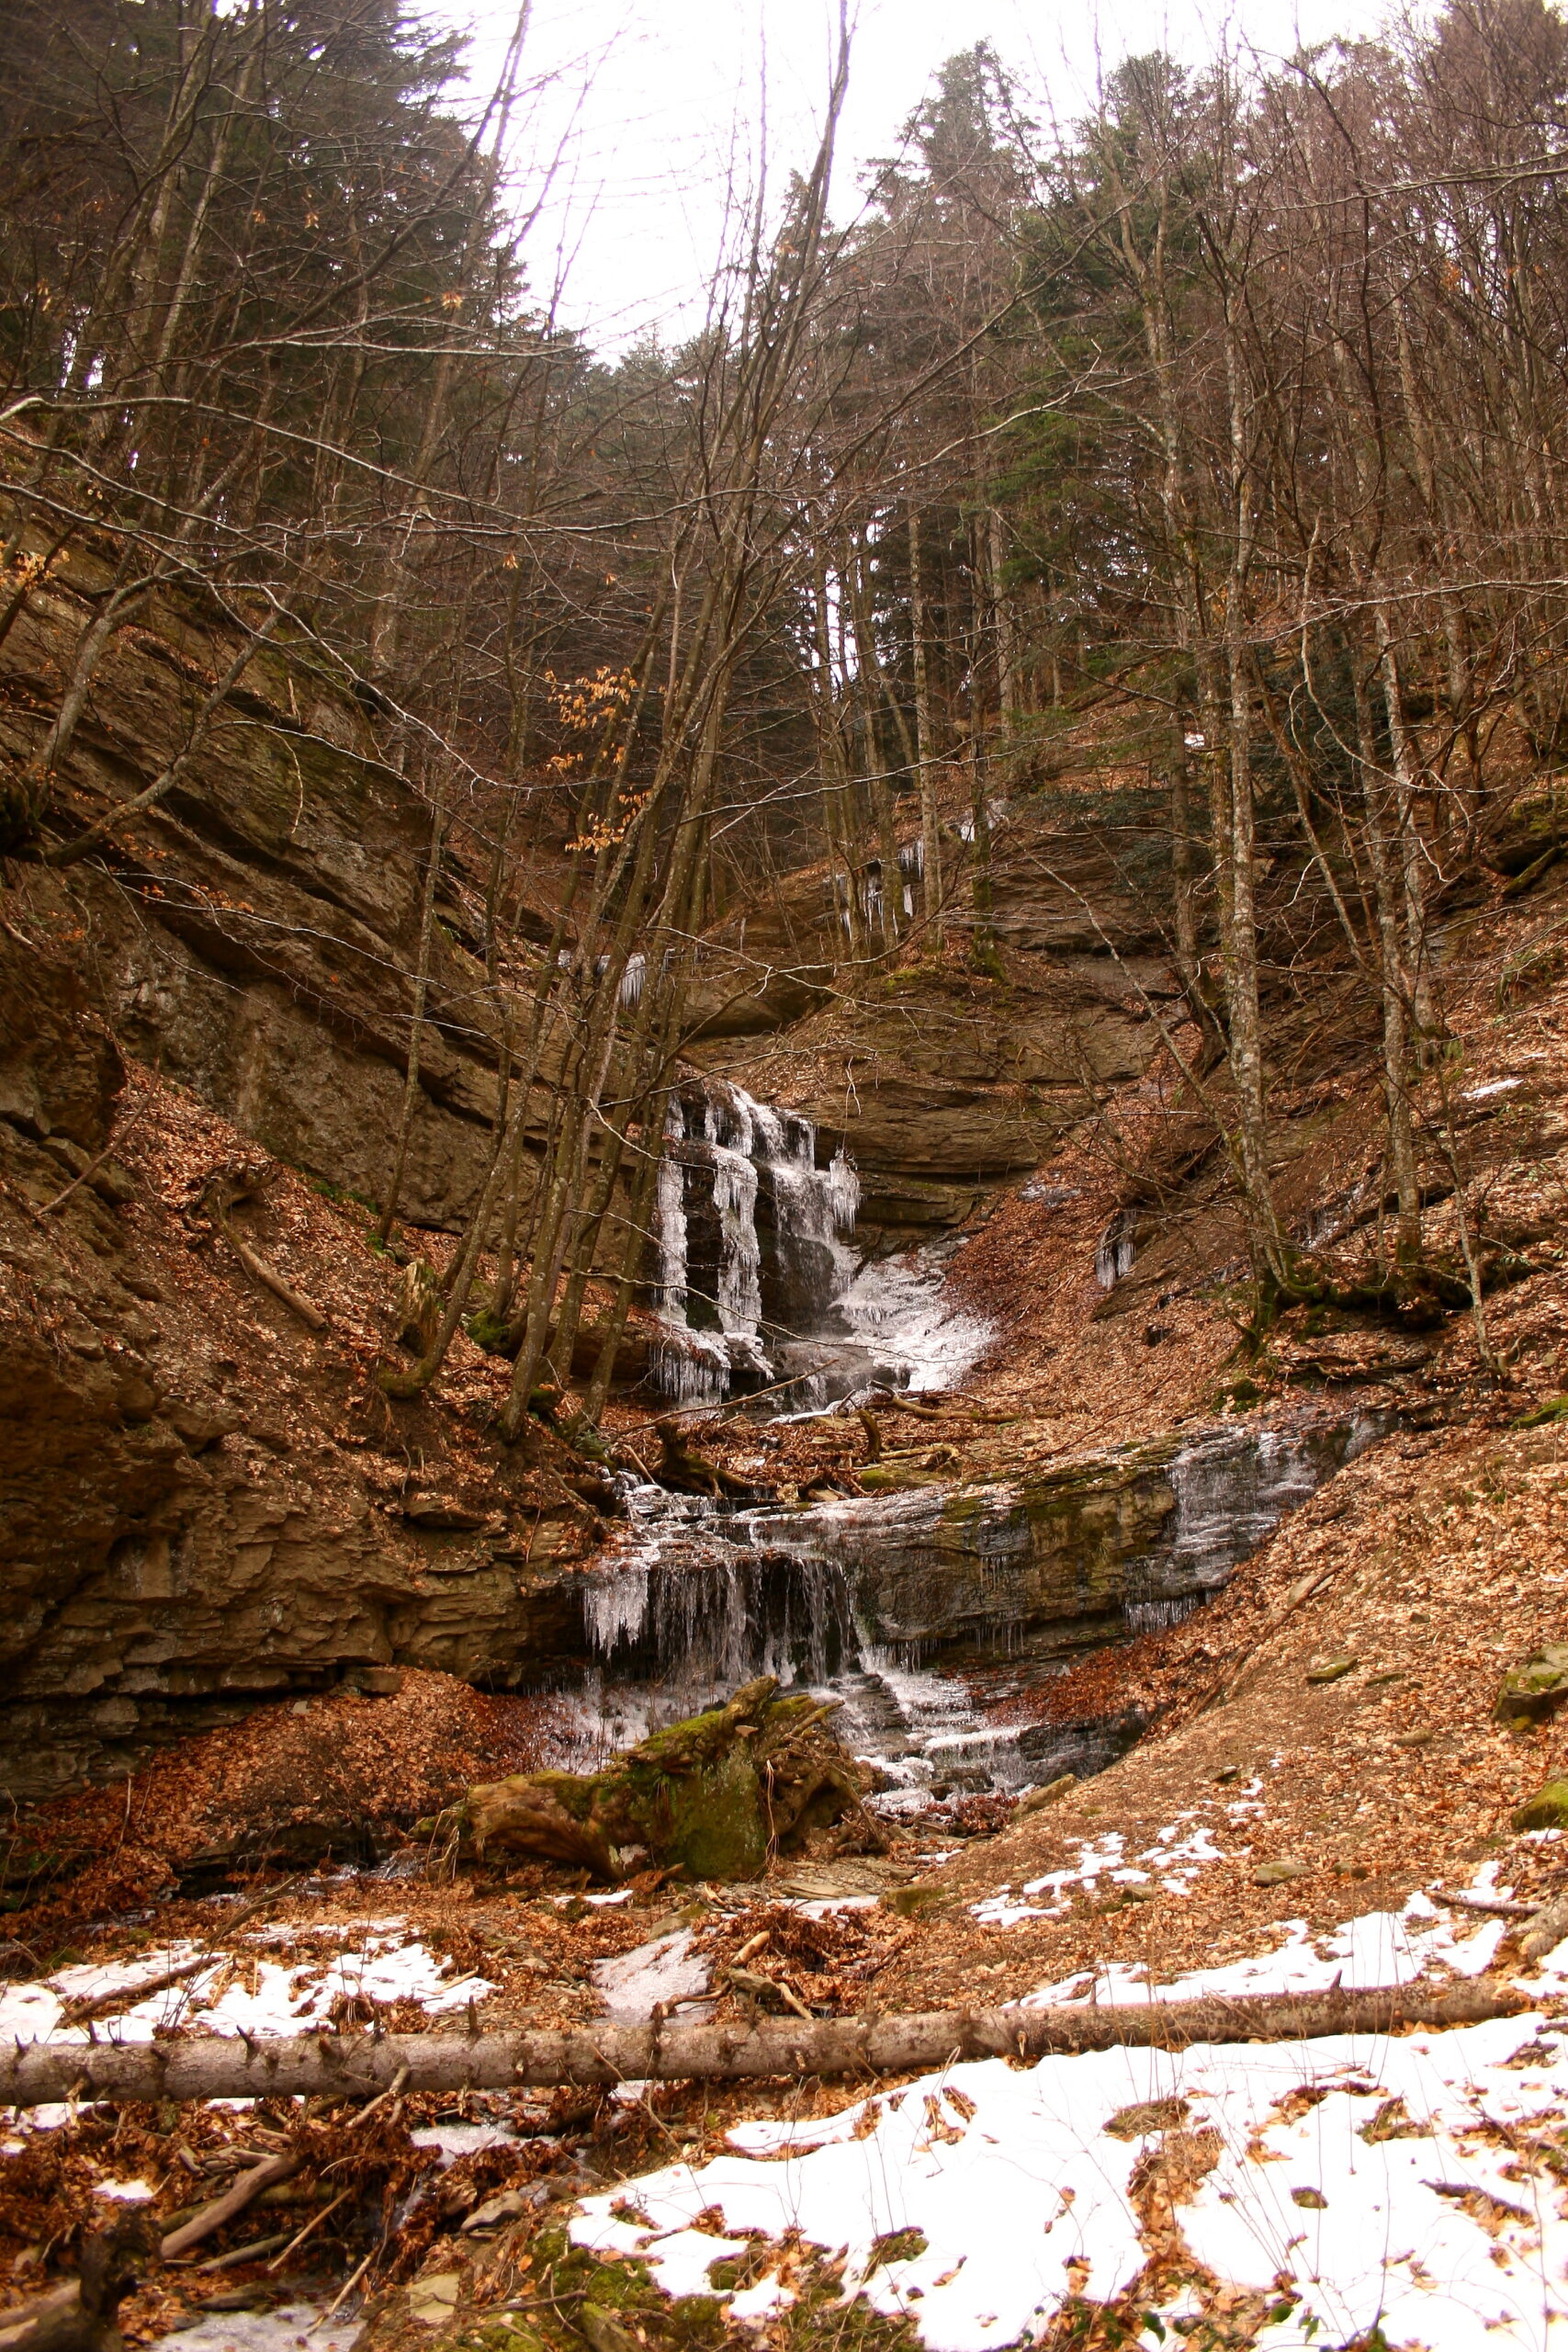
813,1208
741,1263
632,979
693,1367
615,1609
843,1191
671,1221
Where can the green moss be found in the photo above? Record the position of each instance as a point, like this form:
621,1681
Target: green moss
489,1332
1554,1409
1547,1809
711,1795
1536,1688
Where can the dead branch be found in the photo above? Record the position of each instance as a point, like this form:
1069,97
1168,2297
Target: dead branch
234,2199
217,1199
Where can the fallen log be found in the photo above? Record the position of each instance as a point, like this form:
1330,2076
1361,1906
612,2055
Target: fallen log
355,2065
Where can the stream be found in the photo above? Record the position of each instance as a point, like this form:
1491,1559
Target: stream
922,1613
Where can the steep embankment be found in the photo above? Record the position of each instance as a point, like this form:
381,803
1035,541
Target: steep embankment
205,1499
254,933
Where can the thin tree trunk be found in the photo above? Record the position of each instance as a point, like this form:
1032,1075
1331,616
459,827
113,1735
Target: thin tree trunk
1394,989
930,846
421,993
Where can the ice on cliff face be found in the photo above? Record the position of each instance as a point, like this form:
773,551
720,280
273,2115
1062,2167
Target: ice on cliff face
742,1145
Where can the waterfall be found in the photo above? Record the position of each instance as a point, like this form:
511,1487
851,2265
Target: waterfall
722,1144
1114,1252
1231,1488
722,1618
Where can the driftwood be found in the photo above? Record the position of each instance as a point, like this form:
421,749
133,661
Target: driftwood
355,2065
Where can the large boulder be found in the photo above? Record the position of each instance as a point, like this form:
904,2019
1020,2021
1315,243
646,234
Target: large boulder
715,1796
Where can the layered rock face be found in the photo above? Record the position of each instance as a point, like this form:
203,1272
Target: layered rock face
943,1082
1032,1572
256,935
196,1507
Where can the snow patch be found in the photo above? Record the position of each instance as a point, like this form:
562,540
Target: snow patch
1427,2227
236,1994
666,1970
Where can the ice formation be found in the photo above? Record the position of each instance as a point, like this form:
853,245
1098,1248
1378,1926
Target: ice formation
741,1147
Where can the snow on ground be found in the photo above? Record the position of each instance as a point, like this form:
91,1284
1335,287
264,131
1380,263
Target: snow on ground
666,1970
1379,1947
235,1994
276,2331
1172,1863
1355,2182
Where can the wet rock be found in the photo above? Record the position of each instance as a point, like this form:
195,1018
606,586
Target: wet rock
1547,1809
1533,1692
1062,1561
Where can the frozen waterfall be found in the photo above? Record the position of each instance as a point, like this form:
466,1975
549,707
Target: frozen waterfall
730,1166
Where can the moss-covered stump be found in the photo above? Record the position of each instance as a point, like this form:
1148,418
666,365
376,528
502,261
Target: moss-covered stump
718,1796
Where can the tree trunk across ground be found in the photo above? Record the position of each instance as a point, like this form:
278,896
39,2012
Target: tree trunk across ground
355,2065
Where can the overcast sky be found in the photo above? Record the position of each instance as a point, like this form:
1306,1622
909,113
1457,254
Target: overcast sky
651,101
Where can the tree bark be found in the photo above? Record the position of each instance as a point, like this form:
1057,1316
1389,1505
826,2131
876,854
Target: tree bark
416,1025
353,2065
930,846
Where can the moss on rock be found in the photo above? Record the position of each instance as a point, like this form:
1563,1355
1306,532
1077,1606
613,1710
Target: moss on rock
714,1795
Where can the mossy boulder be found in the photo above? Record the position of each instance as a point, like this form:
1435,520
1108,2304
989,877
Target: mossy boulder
1536,1688
716,1796
1547,1809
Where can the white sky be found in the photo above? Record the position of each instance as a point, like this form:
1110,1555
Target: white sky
653,100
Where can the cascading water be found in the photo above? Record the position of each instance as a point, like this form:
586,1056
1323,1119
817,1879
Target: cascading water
703,1598
856,1599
